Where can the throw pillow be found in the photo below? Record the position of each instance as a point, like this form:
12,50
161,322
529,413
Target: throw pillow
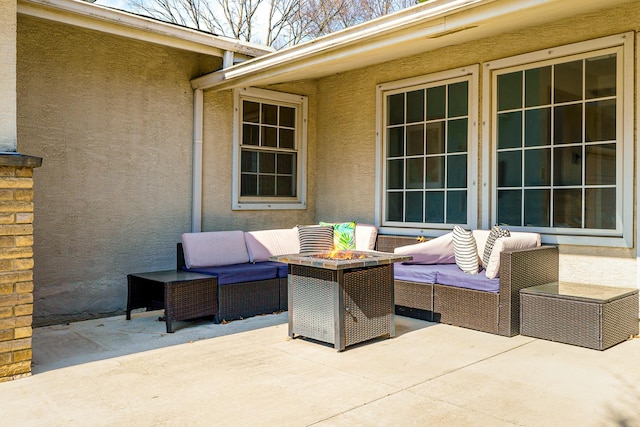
495,233
344,235
366,235
315,238
465,250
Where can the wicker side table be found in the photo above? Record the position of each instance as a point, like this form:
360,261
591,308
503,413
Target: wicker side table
592,316
182,294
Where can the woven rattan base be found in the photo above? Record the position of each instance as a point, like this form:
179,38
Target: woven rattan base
341,307
246,299
183,295
596,317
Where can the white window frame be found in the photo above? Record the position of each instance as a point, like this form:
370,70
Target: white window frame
622,237
300,103
469,73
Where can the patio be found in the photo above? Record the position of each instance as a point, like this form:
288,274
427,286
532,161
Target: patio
116,372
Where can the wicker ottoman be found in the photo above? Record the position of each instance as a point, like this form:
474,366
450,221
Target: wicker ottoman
592,316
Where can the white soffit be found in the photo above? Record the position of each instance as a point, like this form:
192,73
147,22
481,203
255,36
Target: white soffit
121,23
419,29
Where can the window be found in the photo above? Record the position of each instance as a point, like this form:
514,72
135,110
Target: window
269,150
428,148
558,138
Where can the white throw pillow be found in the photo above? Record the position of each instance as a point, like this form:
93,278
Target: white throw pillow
214,248
263,244
465,250
517,240
366,235
481,237
434,251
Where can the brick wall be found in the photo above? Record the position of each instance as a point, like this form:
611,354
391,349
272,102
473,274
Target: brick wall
16,264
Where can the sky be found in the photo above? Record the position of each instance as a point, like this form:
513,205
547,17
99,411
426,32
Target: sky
119,4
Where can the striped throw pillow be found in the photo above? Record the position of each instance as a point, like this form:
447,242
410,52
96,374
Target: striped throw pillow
315,238
465,250
495,232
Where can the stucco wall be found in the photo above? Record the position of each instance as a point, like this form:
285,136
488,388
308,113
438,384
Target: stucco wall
8,73
218,168
112,119
346,128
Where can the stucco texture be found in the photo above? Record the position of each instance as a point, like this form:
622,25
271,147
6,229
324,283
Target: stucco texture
218,167
112,119
347,129
8,73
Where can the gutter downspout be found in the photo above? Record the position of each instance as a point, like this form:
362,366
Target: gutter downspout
196,208
198,131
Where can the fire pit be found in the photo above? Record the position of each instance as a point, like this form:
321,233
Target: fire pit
341,298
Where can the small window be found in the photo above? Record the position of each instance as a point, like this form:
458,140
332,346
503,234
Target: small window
270,148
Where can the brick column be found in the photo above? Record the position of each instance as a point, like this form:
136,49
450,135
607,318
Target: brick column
16,264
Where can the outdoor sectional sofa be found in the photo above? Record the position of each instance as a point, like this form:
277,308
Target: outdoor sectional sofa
436,290
441,292
248,283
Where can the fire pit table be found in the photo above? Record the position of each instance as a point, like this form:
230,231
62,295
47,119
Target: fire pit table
342,298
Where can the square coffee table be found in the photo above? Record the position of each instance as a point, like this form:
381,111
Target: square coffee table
182,294
590,316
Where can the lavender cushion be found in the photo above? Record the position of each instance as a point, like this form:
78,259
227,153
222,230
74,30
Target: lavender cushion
237,273
434,251
420,273
451,275
214,248
265,243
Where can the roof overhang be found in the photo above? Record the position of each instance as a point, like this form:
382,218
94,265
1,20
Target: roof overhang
125,24
418,29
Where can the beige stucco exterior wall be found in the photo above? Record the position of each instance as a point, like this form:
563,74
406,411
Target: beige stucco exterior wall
113,120
347,140
218,167
8,72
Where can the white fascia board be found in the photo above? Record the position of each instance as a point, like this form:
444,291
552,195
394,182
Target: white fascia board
418,29
357,35
121,23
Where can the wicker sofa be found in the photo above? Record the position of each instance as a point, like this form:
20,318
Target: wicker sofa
248,283
493,312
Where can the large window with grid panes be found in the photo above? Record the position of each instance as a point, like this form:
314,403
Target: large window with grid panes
428,146
558,137
269,150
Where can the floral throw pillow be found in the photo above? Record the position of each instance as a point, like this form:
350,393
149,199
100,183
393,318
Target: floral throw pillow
344,235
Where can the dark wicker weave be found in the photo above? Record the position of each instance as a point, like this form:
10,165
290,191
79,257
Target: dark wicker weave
597,323
183,295
484,311
284,298
245,299
341,307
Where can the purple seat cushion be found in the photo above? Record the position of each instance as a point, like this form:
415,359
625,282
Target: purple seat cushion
421,273
283,268
237,273
451,275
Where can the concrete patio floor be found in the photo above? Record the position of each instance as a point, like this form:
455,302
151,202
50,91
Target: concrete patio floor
111,371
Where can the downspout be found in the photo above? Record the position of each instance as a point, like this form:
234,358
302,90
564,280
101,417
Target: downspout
198,131
196,208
